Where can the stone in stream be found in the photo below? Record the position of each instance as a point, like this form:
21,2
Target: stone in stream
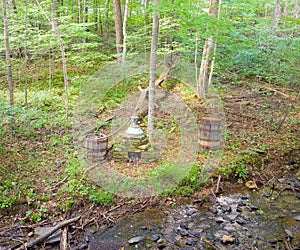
191,211
253,208
83,246
155,237
297,194
219,220
281,180
239,209
136,239
289,234
213,210
297,218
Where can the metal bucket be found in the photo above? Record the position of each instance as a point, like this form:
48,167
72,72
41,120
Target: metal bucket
210,133
96,146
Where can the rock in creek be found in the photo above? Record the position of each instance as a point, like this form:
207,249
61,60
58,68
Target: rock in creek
136,240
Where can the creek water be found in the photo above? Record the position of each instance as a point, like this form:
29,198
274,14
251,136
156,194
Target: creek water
243,220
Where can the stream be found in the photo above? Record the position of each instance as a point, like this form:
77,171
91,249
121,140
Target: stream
244,219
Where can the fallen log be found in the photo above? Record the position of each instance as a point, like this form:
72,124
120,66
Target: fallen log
48,234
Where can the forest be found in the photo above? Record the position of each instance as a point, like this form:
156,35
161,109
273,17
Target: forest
190,100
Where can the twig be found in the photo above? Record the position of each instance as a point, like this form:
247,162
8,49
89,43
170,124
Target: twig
52,231
275,90
288,247
218,184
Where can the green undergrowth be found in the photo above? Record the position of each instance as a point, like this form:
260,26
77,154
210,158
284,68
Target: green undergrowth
41,176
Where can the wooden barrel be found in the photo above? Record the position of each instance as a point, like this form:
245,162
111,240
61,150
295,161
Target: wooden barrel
96,146
210,133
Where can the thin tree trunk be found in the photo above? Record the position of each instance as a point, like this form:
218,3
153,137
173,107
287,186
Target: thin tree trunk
153,55
79,11
296,9
8,64
63,55
285,9
106,33
85,16
124,32
118,26
209,51
276,14
26,56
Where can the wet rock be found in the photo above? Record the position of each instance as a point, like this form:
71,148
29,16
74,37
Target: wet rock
226,209
244,197
184,226
213,210
195,233
30,234
281,180
241,221
136,240
265,194
253,208
161,244
191,242
297,218
183,233
54,238
261,238
297,195
232,217
191,211
244,203
239,209
144,228
289,234
219,220
230,228
155,237
83,246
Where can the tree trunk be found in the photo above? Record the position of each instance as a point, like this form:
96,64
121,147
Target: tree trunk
124,32
106,32
8,64
153,55
296,9
63,55
285,9
26,56
276,14
118,25
209,51
79,11
85,17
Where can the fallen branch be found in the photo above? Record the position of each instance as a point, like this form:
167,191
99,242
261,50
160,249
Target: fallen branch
275,90
144,92
218,185
46,235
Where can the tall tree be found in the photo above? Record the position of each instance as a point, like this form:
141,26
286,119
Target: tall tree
296,9
277,11
54,25
118,25
125,31
209,50
153,56
8,62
